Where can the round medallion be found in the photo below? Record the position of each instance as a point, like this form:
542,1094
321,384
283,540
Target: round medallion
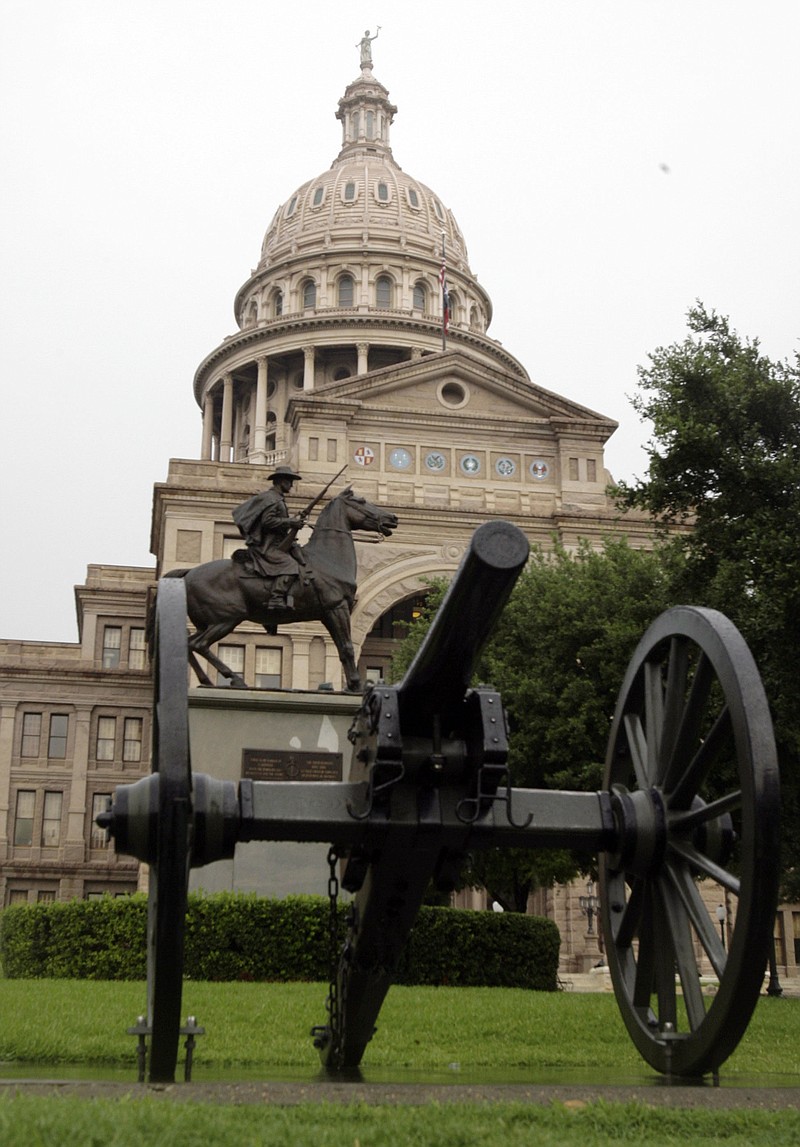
539,469
435,461
505,467
400,458
364,456
470,464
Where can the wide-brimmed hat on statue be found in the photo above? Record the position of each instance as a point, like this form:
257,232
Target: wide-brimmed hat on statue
284,472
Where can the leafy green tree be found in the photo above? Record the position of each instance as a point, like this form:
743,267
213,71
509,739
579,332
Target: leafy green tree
558,659
724,460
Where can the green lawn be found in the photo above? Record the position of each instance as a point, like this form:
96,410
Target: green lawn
257,1029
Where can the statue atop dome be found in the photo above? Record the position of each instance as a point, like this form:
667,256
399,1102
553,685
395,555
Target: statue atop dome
365,44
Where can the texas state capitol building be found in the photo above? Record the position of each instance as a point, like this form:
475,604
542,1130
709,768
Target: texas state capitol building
337,358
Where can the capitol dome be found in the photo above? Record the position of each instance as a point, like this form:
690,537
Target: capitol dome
348,282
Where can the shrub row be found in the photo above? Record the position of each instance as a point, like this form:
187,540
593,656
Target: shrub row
236,937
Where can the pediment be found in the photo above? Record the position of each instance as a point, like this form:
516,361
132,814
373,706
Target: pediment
455,384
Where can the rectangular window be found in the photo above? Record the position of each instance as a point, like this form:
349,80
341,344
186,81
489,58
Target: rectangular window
23,821
136,650
45,895
98,837
112,643
57,744
31,734
233,656
313,449
269,665
106,738
132,742
331,449
17,896
591,470
573,469
51,820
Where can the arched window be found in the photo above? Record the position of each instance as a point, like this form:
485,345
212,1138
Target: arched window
383,192
420,297
454,304
277,304
309,295
356,125
384,289
346,286
319,195
370,125
350,192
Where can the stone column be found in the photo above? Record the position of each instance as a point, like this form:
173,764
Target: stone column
208,426
301,649
7,716
363,358
259,455
75,843
333,666
309,353
226,438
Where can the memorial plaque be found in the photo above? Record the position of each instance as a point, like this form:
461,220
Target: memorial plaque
290,765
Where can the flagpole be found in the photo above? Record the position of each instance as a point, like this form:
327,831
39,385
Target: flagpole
445,298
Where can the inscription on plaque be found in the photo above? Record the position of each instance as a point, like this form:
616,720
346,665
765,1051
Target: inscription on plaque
290,765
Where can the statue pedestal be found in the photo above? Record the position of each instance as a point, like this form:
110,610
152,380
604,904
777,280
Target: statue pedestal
279,735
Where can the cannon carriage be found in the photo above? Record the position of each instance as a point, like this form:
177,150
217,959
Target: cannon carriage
690,790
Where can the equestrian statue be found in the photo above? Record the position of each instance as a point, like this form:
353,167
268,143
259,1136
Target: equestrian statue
274,580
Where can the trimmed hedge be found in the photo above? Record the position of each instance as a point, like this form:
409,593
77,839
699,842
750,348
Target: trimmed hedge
236,937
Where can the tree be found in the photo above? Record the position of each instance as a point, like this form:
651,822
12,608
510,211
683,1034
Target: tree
558,659
724,460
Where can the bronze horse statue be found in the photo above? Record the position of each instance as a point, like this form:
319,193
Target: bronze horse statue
221,594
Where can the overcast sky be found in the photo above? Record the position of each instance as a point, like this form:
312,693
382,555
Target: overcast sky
608,161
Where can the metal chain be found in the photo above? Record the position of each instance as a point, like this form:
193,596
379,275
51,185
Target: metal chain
333,1003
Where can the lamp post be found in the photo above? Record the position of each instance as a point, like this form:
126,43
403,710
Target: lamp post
721,918
588,905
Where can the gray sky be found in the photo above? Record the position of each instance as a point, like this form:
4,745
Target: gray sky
608,161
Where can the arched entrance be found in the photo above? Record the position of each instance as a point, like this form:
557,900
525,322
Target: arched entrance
375,663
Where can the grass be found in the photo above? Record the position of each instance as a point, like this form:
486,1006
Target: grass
25,1122
266,1026
263,1028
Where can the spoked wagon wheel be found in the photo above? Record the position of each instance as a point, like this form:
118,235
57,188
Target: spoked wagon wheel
169,873
693,777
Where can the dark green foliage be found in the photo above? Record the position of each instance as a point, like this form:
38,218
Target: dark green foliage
725,457
75,939
231,937
474,949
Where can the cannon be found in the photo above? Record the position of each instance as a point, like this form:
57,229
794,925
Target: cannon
690,790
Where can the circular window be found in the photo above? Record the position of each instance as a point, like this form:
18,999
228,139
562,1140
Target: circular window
453,394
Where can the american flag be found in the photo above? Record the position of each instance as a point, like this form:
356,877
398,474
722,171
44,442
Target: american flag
445,293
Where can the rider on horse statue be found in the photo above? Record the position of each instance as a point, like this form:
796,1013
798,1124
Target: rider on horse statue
270,531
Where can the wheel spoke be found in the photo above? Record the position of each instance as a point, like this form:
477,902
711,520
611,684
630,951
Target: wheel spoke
654,709
691,723
698,915
664,962
681,936
631,915
642,988
674,701
704,864
637,746
680,821
687,785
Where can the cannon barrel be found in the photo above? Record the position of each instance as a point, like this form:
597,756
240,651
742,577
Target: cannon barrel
440,673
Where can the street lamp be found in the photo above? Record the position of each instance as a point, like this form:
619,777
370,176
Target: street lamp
721,918
588,905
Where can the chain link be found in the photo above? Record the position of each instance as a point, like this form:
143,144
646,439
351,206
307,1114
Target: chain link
333,1003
